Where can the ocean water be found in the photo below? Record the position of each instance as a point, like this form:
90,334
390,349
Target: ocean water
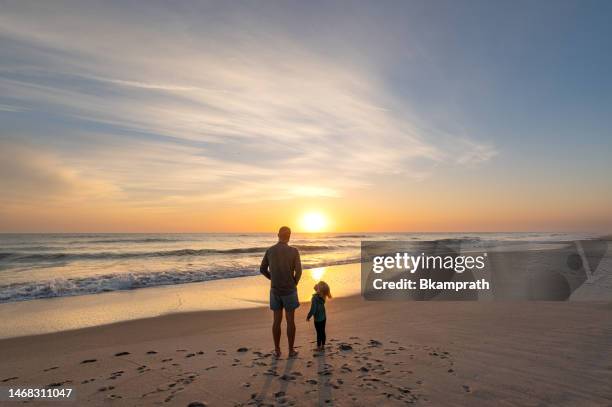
55,265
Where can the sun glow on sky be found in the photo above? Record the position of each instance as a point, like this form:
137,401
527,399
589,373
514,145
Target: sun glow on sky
314,222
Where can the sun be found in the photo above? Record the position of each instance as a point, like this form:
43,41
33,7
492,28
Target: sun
314,222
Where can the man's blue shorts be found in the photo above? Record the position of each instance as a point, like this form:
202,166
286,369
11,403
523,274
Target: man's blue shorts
288,302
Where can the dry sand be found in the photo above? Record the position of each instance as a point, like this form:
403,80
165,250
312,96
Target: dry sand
386,353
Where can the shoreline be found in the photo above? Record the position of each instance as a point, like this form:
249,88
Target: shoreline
24,318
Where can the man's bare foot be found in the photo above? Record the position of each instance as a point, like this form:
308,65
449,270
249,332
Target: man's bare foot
277,353
293,353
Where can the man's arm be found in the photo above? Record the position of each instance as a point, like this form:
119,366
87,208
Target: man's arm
297,267
263,269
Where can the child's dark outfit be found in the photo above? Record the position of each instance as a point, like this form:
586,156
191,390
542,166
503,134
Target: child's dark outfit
317,310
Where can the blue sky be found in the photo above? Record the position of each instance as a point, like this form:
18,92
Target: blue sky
168,107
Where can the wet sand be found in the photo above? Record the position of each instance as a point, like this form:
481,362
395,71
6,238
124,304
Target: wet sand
68,313
386,353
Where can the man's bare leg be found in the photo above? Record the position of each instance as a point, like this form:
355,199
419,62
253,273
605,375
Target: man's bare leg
276,331
291,331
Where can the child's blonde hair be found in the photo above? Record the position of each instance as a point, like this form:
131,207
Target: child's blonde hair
323,288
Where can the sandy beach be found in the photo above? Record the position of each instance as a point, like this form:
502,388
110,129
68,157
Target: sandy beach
387,353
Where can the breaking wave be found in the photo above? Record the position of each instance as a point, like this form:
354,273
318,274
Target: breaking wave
67,256
64,287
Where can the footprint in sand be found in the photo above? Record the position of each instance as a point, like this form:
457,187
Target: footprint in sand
89,361
270,372
122,353
345,347
151,352
58,384
325,372
115,375
51,368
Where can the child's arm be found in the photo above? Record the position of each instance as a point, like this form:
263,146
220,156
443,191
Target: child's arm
313,310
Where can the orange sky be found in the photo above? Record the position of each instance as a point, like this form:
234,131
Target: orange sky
428,211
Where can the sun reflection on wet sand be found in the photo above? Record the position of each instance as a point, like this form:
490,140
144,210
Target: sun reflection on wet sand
317,273
63,313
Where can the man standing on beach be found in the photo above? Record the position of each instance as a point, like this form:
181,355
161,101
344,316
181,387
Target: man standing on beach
282,266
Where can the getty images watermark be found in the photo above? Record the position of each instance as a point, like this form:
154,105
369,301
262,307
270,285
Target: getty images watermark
412,264
471,269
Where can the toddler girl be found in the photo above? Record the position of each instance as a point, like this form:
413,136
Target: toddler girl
317,310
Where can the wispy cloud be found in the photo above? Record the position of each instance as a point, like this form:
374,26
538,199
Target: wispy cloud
37,177
11,108
242,114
